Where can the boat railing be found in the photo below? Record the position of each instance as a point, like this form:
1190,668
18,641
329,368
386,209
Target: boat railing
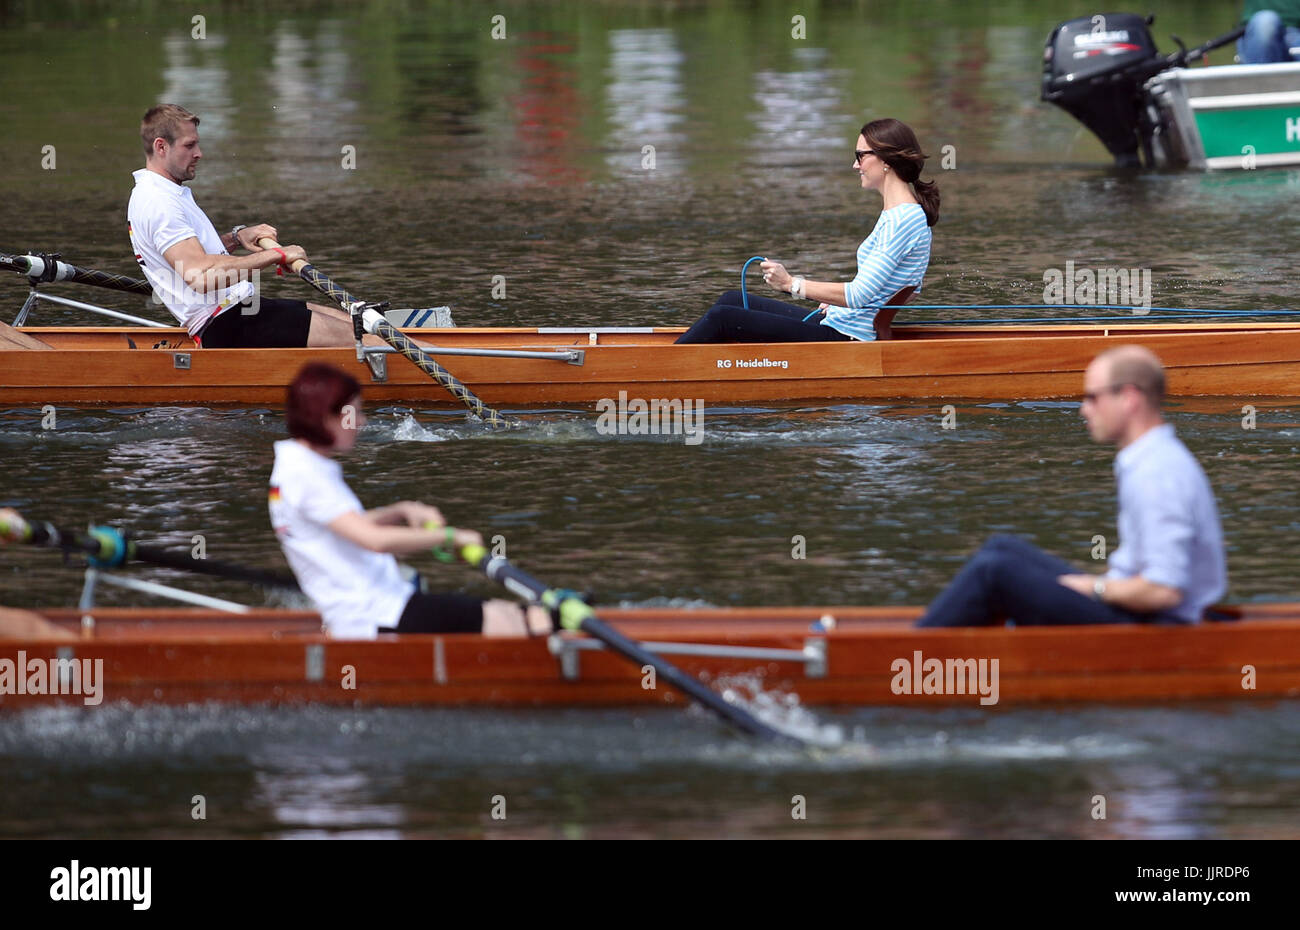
95,576
571,356
812,656
35,296
376,357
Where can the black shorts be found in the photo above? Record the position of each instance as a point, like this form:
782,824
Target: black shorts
441,613
277,324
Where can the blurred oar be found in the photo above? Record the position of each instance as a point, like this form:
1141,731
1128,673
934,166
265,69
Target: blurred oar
576,615
109,547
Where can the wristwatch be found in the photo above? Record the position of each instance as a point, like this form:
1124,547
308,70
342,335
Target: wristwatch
1099,589
796,286
234,236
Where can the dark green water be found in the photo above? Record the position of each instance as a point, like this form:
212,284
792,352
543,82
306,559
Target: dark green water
522,157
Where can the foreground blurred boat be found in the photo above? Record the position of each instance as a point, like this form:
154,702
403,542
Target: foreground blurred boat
869,656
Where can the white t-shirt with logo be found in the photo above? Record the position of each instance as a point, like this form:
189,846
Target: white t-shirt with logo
356,590
162,213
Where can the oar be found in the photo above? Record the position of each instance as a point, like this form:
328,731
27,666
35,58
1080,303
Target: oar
576,615
375,324
109,547
42,267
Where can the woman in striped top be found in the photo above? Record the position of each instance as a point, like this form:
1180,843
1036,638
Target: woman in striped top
893,258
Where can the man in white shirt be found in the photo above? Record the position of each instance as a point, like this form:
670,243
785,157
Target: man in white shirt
1169,566
189,264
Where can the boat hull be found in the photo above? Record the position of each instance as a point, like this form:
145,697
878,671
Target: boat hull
118,366
186,655
1226,117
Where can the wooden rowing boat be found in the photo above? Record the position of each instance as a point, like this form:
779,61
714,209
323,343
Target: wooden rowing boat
582,366
177,655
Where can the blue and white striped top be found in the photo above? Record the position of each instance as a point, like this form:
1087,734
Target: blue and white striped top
893,257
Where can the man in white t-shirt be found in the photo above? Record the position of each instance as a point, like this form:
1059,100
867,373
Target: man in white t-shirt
189,264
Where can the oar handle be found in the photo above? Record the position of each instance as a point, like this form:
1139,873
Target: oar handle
15,526
309,273
267,242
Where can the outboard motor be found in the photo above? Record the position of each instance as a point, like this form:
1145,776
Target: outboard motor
1094,68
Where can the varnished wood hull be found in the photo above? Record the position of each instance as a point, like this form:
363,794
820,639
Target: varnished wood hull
184,655
98,366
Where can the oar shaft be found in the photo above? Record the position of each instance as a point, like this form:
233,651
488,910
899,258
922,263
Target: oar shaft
111,548
317,279
376,324
43,268
575,614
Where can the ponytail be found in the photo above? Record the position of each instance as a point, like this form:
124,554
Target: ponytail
927,193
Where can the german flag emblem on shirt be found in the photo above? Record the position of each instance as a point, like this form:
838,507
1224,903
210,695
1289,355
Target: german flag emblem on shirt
273,494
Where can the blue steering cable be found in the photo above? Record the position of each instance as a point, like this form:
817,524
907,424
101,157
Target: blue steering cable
744,297
1170,311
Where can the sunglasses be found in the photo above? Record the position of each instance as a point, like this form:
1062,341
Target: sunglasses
1092,396
860,154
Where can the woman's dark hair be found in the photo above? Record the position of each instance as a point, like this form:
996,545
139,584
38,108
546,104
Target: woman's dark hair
319,391
895,144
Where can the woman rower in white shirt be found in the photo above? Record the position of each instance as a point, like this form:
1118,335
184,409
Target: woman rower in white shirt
343,555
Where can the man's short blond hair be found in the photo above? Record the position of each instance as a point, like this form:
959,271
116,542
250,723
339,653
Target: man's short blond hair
1139,367
164,122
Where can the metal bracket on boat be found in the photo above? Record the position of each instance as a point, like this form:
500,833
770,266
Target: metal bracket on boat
315,662
357,310
377,358
96,575
181,360
812,656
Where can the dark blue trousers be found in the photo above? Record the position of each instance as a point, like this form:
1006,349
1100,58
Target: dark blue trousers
766,320
1011,579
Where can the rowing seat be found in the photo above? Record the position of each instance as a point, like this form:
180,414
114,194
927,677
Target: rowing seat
11,338
886,314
